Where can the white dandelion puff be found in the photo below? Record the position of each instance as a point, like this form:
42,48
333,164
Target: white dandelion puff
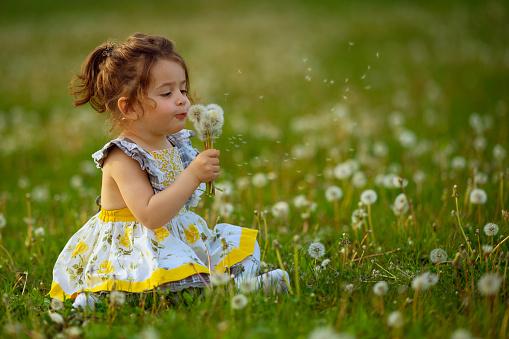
260,180
3,221
316,250
117,298
248,285
478,196
333,193
281,209
57,304
438,255
219,279
395,319
56,318
368,197
491,229
325,263
461,334
239,301
380,288
400,206
39,232
420,283
489,284
432,278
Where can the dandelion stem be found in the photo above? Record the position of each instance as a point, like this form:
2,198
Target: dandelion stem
283,269
266,235
379,254
296,263
30,226
459,221
201,278
496,247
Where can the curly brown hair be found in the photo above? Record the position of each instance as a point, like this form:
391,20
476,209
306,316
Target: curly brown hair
112,71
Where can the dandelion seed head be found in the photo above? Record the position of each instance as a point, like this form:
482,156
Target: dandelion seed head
239,301
487,249
316,250
281,209
395,319
260,180
333,193
3,221
432,278
342,171
57,304
491,229
219,279
438,255
39,232
499,152
73,332
248,285
117,298
368,197
420,283
359,179
380,288
56,318
489,284
461,334
325,263
195,112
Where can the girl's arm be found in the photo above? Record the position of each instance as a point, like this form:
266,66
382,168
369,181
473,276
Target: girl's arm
155,210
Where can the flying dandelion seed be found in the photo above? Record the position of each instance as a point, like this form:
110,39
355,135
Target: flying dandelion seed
438,255
491,229
380,288
239,301
489,284
368,197
316,250
395,319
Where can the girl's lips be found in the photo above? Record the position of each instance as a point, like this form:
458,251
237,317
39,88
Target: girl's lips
181,115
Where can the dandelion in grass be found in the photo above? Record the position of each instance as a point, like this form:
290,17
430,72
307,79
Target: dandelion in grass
56,318
208,122
39,232
239,301
325,263
400,207
117,298
380,289
358,217
369,197
491,229
327,332
281,210
487,249
419,284
342,171
461,334
73,332
3,221
57,304
219,279
248,285
499,152
489,284
149,333
432,278
438,255
395,319
260,180
316,250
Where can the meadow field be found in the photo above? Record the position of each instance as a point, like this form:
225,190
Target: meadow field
366,140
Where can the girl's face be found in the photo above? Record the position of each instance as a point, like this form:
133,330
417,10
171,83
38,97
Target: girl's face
168,92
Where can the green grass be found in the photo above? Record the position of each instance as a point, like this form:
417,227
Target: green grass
305,86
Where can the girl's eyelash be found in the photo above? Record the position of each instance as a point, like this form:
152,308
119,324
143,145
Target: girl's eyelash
166,94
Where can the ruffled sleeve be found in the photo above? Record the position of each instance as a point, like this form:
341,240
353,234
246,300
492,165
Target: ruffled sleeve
129,147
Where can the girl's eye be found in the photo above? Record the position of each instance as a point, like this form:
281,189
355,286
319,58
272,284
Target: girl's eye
183,91
166,94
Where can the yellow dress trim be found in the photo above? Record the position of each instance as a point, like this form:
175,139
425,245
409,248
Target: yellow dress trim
123,214
159,277
246,248
162,276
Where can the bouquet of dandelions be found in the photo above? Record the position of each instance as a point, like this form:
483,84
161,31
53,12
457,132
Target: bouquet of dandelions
208,122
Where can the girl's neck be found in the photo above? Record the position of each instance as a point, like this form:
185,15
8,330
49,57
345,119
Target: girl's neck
148,143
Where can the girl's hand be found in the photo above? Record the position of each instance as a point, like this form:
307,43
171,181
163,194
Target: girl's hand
205,167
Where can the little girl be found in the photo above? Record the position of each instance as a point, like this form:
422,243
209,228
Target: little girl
145,237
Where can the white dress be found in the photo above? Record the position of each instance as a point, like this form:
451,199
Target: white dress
114,251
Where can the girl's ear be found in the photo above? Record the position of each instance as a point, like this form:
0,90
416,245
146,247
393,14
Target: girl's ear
127,110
